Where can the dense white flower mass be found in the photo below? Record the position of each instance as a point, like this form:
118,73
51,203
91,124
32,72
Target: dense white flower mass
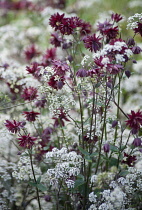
67,165
23,170
133,21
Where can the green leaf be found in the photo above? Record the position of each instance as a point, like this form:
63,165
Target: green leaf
97,85
33,184
38,179
123,173
94,154
78,183
113,162
114,148
88,158
41,187
84,152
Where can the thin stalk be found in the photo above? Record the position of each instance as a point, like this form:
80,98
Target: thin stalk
37,191
103,130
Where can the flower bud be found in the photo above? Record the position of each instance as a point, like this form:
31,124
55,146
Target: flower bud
106,147
127,73
47,198
109,85
136,50
114,123
137,142
131,42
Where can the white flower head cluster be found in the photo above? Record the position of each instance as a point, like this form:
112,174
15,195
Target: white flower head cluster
116,47
67,165
133,21
57,101
23,170
85,60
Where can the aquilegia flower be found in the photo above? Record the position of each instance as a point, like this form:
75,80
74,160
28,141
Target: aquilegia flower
134,121
31,116
92,43
29,93
26,141
13,126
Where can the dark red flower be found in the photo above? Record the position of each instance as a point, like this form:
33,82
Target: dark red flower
56,20
31,116
138,29
29,93
49,55
26,141
129,160
56,40
56,84
134,121
67,27
23,4
34,69
103,26
41,103
46,136
116,17
111,33
81,73
31,52
92,42
130,42
85,28
13,126
59,120
137,142
60,67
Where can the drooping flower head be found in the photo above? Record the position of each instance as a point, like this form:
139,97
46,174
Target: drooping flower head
29,93
60,67
13,126
129,159
26,141
59,121
92,42
31,116
31,52
85,28
41,103
56,84
134,121
81,73
56,40
49,55
34,69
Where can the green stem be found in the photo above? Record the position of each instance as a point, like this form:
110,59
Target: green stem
37,192
103,129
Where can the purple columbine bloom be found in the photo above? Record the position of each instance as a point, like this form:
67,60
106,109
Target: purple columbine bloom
137,142
106,147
